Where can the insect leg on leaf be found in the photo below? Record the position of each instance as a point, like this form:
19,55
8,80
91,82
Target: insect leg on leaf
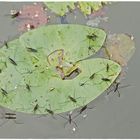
88,79
72,99
16,63
35,109
6,93
49,111
31,50
4,43
91,38
27,86
108,67
91,79
83,109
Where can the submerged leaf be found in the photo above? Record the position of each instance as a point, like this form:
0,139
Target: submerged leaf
120,48
31,17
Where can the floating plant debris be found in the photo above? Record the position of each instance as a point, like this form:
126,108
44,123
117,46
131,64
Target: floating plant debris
32,17
96,21
96,17
119,48
99,13
15,13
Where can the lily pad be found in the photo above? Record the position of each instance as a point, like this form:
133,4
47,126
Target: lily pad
37,78
88,8
78,41
60,8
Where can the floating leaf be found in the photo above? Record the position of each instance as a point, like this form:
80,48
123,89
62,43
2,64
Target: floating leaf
89,7
60,8
32,82
120,48
32,17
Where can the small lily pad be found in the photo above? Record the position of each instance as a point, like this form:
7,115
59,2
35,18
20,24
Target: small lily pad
88,8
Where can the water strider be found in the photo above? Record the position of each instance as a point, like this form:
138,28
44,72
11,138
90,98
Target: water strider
36,107
69,120
117,87
72,99
31,50
107,67
4,92
106,79
83,109
28,87
12,61
92,37
5,43
49,111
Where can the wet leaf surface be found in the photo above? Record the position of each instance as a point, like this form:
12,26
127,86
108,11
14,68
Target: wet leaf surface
32,84
80,41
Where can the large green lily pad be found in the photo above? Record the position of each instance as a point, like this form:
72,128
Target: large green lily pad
32,82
